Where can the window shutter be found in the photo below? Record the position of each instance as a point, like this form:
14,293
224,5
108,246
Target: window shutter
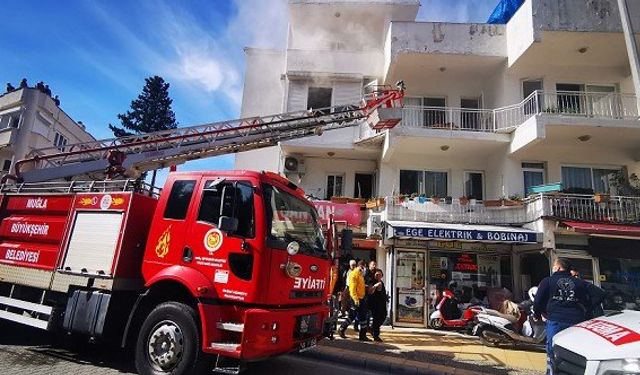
345,93
297,97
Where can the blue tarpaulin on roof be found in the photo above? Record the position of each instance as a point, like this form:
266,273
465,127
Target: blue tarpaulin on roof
504,11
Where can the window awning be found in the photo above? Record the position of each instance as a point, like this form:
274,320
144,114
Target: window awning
462,232
604,229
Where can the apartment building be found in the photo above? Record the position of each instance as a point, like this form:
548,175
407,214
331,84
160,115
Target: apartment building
29,120
516,143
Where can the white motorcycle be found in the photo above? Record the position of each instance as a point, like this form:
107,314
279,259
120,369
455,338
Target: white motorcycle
497,329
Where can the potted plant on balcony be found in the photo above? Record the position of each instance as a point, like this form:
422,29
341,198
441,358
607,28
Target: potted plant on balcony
514,200
464,200
435,199
375,203
493,202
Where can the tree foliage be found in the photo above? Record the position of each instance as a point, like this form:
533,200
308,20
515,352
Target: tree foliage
150,112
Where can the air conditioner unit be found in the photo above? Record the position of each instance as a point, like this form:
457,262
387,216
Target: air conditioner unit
294,165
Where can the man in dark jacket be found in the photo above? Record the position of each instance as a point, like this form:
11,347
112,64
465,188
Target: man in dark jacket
564,300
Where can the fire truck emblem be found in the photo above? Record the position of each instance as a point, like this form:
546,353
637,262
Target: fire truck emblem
162,247
213,240
105,202
87,201
117,201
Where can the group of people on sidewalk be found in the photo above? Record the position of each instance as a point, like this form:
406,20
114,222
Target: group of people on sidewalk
365,297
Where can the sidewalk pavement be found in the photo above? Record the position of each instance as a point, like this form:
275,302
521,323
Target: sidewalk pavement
421,351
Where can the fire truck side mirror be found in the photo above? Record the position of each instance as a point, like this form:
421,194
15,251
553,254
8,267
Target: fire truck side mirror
228,224
346,242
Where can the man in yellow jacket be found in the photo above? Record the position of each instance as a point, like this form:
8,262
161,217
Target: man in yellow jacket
357,292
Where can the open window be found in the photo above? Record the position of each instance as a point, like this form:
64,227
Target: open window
232,199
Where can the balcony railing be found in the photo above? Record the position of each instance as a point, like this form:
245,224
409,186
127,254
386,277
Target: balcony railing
616,210
596,105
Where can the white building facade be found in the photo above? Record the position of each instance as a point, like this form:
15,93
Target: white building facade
30,120
512,139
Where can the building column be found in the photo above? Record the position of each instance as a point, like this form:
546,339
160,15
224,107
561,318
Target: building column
632,48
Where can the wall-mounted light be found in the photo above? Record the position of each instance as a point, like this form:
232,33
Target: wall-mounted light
444,147
331,153
337,14
443,69
583,49
584,138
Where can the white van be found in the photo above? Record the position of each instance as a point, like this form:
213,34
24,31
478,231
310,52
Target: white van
609,345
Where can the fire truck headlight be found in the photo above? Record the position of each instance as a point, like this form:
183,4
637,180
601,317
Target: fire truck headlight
293,269
274,339
619,366
274,326
293,247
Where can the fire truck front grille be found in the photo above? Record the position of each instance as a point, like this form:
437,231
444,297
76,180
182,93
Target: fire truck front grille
297,294
567,362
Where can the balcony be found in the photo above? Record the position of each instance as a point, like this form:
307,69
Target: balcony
617,210
585,105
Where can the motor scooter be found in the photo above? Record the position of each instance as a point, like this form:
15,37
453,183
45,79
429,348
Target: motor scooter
497,329
448,314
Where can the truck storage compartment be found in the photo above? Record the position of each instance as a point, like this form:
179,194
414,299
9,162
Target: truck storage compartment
86,312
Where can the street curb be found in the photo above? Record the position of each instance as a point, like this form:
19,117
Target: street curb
391,365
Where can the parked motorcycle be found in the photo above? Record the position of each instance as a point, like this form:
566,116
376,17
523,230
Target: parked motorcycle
497,329
447,313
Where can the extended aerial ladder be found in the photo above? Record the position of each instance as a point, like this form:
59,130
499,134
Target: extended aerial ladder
132,155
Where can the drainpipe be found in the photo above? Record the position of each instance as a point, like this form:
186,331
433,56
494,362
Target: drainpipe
632,48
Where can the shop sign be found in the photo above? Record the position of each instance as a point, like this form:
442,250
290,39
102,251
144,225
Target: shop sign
468,246
349,212
466,234
411,244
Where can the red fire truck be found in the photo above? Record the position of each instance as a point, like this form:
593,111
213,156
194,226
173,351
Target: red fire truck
218,267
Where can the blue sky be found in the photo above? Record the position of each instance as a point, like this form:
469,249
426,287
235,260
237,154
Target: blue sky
96,54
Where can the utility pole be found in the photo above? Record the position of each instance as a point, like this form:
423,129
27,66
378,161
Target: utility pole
632,48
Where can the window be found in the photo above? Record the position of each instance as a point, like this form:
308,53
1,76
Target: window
363,186
60,141
567,101
319,97
429,183
587,180
14,121
474,185
470,116
533,174
6,166
178,202
334,186
435,115
238,195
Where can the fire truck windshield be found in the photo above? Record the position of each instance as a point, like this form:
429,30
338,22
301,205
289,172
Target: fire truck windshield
290,219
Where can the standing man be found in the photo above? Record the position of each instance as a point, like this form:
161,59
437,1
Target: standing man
378,304
344,298
358,292
564,300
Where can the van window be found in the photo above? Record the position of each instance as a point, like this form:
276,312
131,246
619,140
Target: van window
239,196
179,199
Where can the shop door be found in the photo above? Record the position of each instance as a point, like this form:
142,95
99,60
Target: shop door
409,308
586,267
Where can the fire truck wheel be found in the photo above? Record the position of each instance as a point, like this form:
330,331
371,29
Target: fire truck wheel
169,342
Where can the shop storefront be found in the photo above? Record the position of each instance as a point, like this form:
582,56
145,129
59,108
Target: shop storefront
608,256
476,261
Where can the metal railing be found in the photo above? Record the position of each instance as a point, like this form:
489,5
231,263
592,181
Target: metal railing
611,106
616,210
67,187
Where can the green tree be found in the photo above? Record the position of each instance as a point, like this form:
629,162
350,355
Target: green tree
150,112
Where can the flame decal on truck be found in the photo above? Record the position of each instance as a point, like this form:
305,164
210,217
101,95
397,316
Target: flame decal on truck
162,247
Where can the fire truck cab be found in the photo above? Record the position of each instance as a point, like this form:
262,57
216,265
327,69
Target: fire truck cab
232,264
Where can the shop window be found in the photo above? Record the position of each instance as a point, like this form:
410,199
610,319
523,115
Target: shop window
334,186
620,278
429,183
587,180
319,97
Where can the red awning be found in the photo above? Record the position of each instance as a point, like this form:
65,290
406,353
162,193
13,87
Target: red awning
604,229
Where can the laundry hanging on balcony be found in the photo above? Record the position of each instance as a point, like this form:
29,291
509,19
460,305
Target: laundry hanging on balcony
504,11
